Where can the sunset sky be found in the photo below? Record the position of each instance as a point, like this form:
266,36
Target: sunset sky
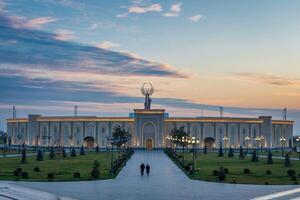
199,55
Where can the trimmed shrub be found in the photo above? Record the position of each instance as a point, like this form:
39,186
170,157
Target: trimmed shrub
50,176
205,149
95,171
221,154
188,167
233,181
299,175
270,158
97,149
51,154
296,182
246,171
287,161
291,172
73,152
17,171
23,160
36,169
39,156
268,172
241,156
294,178
221,174
24,174
76,175
254,157
64,154
82,153
215,172
226,170
230,153
266,183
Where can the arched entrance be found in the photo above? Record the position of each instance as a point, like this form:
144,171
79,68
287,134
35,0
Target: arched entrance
149,135
149,144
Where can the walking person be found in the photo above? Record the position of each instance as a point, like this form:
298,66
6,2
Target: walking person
142,167
148,170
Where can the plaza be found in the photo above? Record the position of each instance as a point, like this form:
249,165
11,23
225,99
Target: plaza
166,181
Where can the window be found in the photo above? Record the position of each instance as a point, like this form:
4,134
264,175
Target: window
103,129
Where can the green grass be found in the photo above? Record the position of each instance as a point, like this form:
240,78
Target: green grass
278,153
67,166
205,164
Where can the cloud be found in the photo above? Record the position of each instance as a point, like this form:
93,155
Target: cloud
269,79
107,45
137,8
64,34
195,18
39,22
39,50
93,26
174,10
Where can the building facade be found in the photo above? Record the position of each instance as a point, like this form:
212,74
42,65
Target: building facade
148,128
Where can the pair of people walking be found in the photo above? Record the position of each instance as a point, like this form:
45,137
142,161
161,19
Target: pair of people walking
142,167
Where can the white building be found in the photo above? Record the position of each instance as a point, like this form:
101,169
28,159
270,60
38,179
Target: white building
149,128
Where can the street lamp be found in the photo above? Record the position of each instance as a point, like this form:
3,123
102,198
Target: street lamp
225,139
282,140
247,138
257,139
193,141
261,142
298,146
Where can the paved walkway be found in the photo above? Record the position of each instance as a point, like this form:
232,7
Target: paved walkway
166,181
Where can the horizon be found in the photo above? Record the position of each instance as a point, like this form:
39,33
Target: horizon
199,55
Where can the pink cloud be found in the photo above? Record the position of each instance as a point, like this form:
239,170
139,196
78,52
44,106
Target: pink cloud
64,34
36,23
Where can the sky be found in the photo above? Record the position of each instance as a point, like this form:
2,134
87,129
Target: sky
199,55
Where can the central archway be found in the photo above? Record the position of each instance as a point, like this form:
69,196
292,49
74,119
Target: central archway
149,131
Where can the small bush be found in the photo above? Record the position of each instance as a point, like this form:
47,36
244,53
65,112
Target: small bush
76,175
294,178
233,181
268,172
266,183
226,171
299,175
95,171
73,152
215,172
221,174
36,169
296,182
50,176
291,172
24,174
39,156
17,171
246,171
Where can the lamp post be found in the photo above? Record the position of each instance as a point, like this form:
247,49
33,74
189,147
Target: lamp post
4,141
193,141
261,142
282,140
225,139
298,146
247,138
257,139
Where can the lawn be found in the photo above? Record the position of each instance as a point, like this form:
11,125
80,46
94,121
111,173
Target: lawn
206,163
67,166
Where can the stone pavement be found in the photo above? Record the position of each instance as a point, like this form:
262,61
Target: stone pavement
166,181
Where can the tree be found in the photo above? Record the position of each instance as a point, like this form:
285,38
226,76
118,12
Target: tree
287,161
39,156
241,156
82,150
221,154
254,157
270,158
23,160
205,149
230,152
179,134
73,152
95,171
97,149
64,152
51,154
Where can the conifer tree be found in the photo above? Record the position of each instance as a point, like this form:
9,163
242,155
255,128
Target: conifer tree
39,156
287,161
51,154
23,160
241,156
64,155
82,151
270,158
97,149
254,156
205,149
73,152
230,153
221,154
